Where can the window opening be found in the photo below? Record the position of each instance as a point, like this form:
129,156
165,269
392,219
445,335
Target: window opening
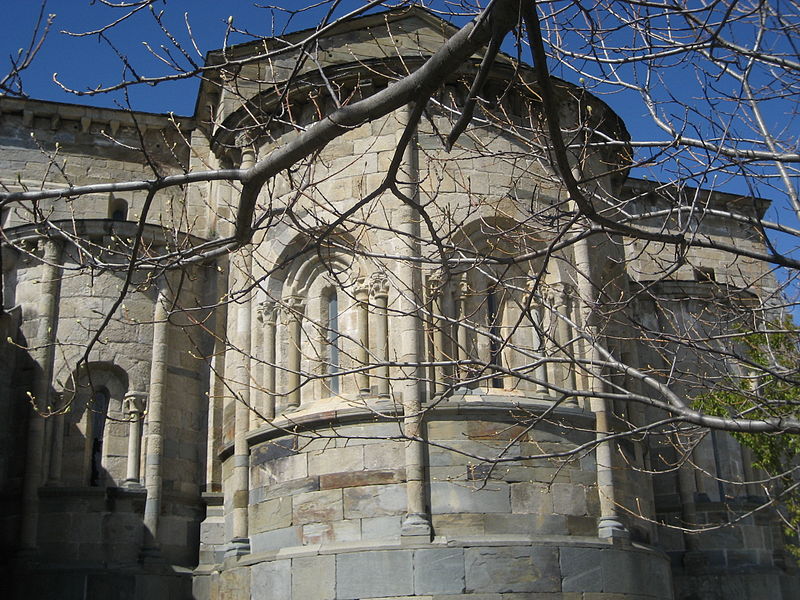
99,410
118,209
494,334
333,343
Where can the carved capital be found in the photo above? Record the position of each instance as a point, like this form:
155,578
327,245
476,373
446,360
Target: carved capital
379,284
293,307
361,290
266,312
133,404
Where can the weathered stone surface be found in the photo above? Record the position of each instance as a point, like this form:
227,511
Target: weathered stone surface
375,528
336,460
374,501
614,571
384,455
458,524
276,539
313,578
512,569
306,484
360,478
531,498
272,514
569,499
335,531
315,507
374,574
439,571
470,498
271,579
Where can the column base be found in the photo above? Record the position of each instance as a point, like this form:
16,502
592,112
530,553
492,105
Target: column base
132,484
416,527
611,527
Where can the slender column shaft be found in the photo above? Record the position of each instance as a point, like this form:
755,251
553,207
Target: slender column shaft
438,335
155,433
43,354
362,322
464,347
241,452
257,396
294,317
134,406
380,294
537,344
416,521
269,318
217,389
609,524
56,448
563,371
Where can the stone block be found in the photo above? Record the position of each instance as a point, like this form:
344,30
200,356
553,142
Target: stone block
569,499
531,498
374,501
336,460
281,470
586,526
521,524
582,569
313,578
439,571
488,430
276,539
360,478
272,514
271,579
458,524
374,574
295,486
512,569
384,455
464,498
376,528
315,507
336,531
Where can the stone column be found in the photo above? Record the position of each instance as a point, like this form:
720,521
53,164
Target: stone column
465,351
56,442
438,334
240,479
380,295
361,293
134,407
155,427
416,522
43,355
294,315
257,394
269,318
564,372
537,342
609,524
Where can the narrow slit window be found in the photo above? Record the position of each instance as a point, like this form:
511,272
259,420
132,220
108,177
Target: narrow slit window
494,334
98,416
118,209
333,343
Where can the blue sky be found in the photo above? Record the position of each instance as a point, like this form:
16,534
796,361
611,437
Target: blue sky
85,62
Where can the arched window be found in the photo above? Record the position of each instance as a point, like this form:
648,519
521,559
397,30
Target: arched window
95,439
99,410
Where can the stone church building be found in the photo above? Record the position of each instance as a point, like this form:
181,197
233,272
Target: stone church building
350,418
